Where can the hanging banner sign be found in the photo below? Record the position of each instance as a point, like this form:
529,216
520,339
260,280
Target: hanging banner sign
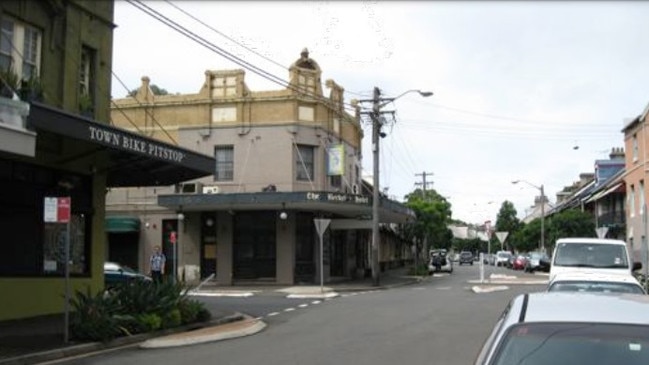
57,209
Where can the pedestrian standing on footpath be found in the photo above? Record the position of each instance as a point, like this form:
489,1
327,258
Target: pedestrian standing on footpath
157,263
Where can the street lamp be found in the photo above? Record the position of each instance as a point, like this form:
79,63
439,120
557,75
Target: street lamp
377,103
181,218
542,210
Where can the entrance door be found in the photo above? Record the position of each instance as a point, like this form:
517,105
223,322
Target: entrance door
123,249
305,241
254,245
208,245
169,246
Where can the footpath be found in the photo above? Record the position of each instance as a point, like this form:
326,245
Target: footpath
37,340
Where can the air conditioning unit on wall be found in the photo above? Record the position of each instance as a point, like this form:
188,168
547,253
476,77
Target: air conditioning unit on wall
211,189
191,188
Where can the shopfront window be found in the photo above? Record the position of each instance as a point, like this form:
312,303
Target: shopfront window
31,247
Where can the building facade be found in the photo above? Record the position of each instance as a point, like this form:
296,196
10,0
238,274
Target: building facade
637,156
58,155
284,159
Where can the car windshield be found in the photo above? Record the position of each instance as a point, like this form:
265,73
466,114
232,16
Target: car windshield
591,255
596,286
574,343
536,255
115,267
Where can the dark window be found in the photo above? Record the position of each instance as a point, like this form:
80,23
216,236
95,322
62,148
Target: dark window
224,156
304,163
31,246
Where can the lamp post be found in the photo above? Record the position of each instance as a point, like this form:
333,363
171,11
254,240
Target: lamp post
542,210
377,103
181,218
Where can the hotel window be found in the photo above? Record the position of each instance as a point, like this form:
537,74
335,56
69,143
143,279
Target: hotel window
224,156
307,83
20,48
224,86
632,201
635,147
86,81
304,163
642,197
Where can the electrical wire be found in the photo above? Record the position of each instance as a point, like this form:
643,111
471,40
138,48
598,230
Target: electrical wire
238,43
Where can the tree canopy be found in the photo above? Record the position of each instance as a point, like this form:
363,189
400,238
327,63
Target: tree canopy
154,88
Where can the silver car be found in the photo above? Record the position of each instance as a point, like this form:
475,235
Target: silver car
563,328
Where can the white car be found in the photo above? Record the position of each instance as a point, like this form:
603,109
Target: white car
595,283
502,258
439,262
570,328
605,256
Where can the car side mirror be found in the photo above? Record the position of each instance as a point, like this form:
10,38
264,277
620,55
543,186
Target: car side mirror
637,265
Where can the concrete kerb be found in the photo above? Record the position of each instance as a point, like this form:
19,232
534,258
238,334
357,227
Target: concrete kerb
248,326
86,348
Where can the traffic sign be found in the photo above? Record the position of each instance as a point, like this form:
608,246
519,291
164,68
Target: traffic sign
57,209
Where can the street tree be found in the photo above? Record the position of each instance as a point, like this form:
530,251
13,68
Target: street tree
433,215
506,221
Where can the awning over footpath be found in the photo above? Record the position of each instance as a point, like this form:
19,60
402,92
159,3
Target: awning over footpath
122,224
134,160
355,207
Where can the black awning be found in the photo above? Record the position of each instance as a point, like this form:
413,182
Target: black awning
134,160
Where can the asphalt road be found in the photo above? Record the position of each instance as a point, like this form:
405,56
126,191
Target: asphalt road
439,321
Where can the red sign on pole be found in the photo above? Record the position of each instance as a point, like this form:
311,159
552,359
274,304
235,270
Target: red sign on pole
57,209
172,237
63,210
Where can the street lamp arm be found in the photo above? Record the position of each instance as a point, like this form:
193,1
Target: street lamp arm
387,101
528,183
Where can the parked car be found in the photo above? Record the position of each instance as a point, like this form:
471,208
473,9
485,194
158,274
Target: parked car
537,261
595,282
502,258
115,274
439,262
570,328
605,256
519,262
466,257
489,259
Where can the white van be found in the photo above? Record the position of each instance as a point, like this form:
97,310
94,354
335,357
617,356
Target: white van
606,256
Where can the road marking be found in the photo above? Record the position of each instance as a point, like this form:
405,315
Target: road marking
272,314
303,305
289,309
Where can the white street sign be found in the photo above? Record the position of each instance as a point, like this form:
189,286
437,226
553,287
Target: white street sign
502,236
601,231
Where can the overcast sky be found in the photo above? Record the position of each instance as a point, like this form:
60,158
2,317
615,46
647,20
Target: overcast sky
517,85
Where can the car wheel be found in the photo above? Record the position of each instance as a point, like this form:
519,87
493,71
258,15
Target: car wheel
472,264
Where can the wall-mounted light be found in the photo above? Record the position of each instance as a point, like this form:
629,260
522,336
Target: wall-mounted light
283,215
209,222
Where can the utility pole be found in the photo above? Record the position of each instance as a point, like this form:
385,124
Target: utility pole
376,116
424,185
376,127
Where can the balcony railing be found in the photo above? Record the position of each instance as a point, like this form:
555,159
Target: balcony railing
13,112
611,219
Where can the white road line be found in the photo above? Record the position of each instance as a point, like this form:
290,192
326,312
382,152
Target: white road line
289,309
316,302
272,314
303,305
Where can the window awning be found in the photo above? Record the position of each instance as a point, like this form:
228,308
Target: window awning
604,193
121,224
133,159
